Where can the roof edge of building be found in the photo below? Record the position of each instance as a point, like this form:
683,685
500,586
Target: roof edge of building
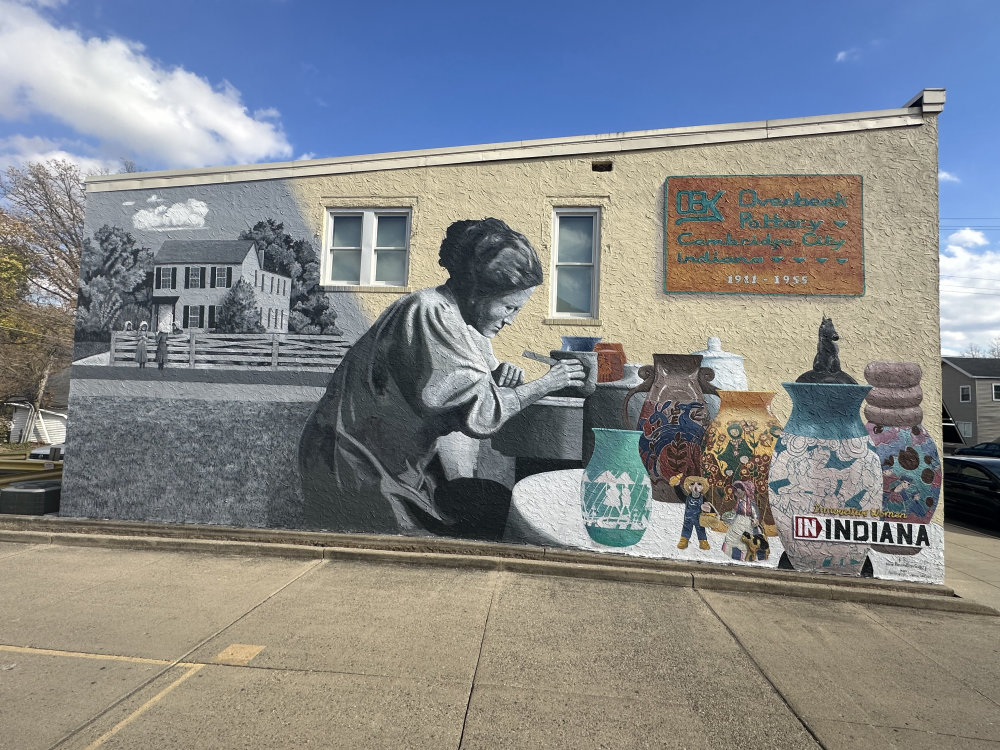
928,101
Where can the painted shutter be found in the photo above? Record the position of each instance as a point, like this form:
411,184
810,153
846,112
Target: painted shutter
212,280
156,278
187,315
229,277
211,315
187,283
202,269
173,278
201,316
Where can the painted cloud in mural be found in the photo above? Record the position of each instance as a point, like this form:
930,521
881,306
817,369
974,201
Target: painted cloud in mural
187,215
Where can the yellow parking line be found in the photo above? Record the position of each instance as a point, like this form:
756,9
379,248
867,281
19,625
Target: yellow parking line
84,655
143,708
237,654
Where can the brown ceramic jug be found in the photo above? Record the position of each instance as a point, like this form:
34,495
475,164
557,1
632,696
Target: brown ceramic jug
673,418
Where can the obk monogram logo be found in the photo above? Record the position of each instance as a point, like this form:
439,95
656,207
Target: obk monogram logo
695,205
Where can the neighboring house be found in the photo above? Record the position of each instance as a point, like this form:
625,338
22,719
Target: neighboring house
192,277
970,389
50,424
49,427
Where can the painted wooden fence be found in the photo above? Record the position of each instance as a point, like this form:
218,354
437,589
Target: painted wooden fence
235,351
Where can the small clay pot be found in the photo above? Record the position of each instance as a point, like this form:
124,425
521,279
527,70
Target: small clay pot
610,362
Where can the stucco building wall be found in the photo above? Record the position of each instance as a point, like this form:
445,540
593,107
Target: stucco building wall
896,318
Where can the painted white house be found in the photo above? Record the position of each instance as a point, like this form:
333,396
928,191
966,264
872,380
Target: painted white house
192,277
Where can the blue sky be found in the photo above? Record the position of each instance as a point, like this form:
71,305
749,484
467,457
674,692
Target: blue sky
179,84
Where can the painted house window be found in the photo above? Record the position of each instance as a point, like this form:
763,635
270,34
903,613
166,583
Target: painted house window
576,238
194,277
194,316
369,247
165,278
222,277
996,391
964,428
213,315
965,393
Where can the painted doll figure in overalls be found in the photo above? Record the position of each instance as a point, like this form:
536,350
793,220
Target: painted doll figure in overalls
690,493
745,538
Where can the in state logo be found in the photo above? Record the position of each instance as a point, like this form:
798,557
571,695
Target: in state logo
856,530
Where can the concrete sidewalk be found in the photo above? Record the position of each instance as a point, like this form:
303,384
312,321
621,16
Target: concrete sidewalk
106,647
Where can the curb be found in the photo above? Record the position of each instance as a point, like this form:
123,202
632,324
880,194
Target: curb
476,556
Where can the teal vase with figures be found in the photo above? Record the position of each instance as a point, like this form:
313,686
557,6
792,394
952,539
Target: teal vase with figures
616,490
824,466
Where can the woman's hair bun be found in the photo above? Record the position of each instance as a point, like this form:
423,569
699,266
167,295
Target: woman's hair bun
488,257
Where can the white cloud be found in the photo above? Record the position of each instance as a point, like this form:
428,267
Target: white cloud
110,90
128,203
968,238
17,150
947,177
154,198
848,55
970,297
187,215
306,156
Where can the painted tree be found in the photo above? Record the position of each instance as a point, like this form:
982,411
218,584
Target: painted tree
113,275
238,312
311,311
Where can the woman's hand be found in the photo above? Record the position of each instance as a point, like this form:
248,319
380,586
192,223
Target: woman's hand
508,375
565,373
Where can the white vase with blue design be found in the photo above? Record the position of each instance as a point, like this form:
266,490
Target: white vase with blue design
824,466
616,490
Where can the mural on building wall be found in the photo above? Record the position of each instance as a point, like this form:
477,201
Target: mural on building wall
276,403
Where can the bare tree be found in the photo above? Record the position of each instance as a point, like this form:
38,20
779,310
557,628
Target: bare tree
974,350
993,348
48,200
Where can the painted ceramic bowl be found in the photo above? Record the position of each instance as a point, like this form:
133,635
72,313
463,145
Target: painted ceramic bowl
579,343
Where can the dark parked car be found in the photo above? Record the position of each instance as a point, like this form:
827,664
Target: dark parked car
980,449
972,490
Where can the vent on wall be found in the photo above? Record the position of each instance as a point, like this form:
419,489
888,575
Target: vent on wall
602,166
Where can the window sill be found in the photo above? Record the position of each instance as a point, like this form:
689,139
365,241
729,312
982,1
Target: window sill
596,322
366,289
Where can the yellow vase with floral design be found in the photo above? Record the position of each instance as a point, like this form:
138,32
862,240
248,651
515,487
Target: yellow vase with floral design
738,446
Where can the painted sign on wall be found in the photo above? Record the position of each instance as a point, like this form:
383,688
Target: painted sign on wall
777,234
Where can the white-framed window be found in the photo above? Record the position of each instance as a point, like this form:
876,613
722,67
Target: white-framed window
996,391
964,428
222,277
367,247
965,393
576,239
